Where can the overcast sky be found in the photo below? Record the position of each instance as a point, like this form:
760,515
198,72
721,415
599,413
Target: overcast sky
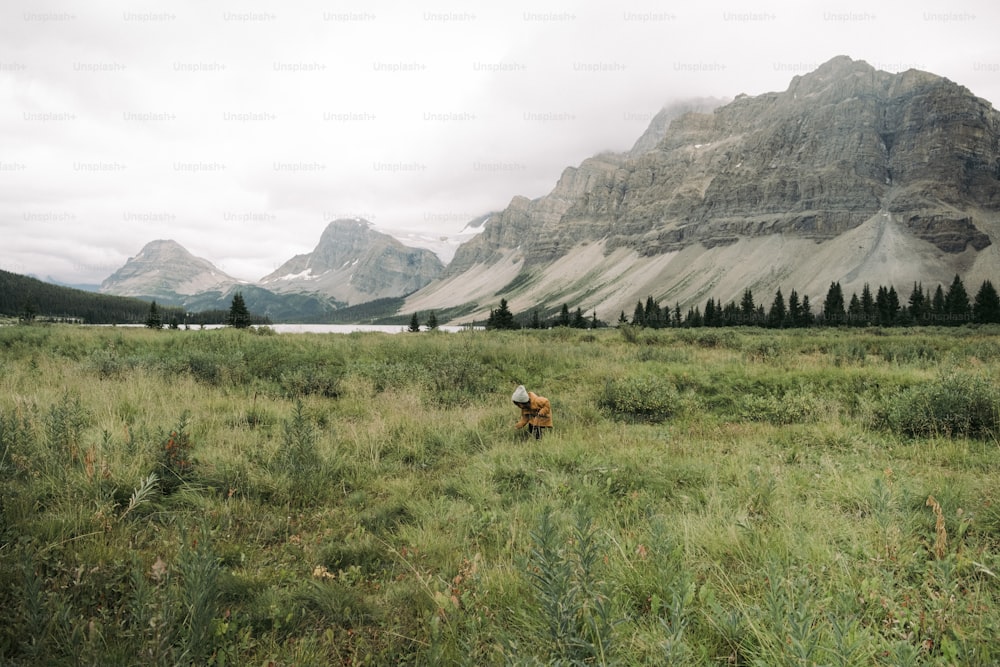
239,129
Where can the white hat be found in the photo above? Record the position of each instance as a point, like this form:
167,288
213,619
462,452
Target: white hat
520,395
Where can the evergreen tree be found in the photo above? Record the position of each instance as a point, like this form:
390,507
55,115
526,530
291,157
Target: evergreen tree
882,306
654,316
501,318
986,307
28,313
776,317
563,320
887,306
892,306
937,303
639,315
154,320
747,308
867,304
694,318
622,319
414,324
579,321
956,302
711,319
432,321
855,315
806,316
833,306
677,315
239,316
794,309
918,303
730,315
535,322
594,322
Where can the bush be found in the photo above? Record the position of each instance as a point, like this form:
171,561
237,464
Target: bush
791,407
175,465
321,380
955,405
298,454
648,399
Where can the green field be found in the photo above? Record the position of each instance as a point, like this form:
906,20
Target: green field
707,497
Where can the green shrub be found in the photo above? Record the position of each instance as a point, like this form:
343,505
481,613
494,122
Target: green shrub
321,380
175,464
16,441
571,599
200,594
646,398
387,375
955,405
791,407
630,334
64,426
298,454
458,379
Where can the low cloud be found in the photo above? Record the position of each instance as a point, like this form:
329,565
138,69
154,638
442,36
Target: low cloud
240,132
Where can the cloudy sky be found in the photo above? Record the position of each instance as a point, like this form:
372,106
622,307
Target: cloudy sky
240,128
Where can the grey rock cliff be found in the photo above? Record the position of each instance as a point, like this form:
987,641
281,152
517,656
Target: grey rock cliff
166,271
841,144
353,263
885,178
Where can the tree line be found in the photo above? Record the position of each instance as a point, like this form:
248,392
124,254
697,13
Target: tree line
30,299
238,316
879,307
503,318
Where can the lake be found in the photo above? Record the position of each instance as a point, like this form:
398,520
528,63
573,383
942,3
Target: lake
320,328
351,328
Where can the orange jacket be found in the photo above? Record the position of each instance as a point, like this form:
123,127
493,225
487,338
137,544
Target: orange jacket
538,412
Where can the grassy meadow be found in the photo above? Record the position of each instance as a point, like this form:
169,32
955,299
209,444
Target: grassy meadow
707,497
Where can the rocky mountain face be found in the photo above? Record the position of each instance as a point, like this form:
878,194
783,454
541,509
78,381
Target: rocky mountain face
164,270
851,174
353,263
443,245
660,122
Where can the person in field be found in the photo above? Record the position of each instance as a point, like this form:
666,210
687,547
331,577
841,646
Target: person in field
536,411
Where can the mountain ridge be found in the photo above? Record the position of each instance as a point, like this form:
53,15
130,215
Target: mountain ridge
353,263
164,269
851,174
742,197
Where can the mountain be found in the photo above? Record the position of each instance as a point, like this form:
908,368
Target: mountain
851,175
259,301
351,264
165,271
660,122
443,245
354,263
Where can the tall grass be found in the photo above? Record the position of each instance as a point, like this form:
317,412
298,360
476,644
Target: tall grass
742,497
